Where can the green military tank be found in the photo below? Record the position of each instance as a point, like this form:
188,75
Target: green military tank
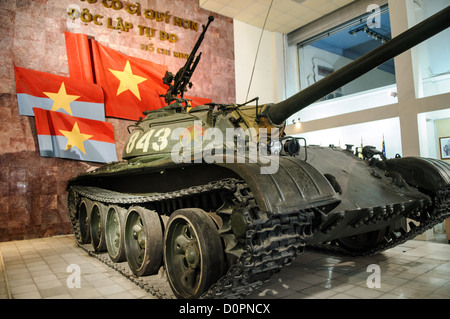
220,198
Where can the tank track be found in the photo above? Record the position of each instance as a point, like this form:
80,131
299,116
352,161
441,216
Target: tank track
271,241
427,221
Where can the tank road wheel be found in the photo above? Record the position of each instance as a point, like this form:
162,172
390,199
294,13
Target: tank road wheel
143,241
362,242
193,253
83,221
114,233
97,227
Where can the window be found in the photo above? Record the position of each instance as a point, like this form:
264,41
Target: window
327,52
431,58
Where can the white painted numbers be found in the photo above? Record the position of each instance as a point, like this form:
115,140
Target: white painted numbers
158,141
161,142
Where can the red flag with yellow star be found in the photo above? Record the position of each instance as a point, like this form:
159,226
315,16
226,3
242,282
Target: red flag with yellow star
65,136
79,56
131,85
58,93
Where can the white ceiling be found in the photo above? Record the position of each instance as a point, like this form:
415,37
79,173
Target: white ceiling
285,15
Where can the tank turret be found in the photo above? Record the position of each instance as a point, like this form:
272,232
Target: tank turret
251,118
220,199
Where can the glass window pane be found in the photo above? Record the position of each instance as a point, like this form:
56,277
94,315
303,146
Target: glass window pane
330,53
432,57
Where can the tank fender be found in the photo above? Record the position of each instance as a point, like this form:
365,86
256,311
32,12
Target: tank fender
295,185
426,173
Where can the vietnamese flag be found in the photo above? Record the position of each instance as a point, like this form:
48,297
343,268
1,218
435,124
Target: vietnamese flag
58,93
79,56
65,136
131,85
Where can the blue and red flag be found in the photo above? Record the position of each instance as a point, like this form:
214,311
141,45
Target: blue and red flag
58,93
65,136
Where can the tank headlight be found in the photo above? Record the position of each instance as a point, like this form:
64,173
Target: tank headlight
292,147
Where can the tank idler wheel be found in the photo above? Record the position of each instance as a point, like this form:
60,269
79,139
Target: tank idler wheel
143,241
362,242
114,233
193,253
82,217
97,226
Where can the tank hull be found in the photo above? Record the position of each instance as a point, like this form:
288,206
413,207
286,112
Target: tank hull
387,195
266,220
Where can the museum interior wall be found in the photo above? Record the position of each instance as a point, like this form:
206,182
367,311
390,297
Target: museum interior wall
33,198
258,73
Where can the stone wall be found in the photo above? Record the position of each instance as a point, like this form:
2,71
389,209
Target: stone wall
32,188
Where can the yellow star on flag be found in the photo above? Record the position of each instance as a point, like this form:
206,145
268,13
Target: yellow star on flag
128,80
75,138
62,100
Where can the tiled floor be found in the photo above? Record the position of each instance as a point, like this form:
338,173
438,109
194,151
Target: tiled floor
38,268
416,269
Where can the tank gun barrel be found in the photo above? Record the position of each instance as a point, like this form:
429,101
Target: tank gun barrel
278,113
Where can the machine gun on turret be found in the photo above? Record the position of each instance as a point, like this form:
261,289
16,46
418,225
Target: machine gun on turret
182,79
